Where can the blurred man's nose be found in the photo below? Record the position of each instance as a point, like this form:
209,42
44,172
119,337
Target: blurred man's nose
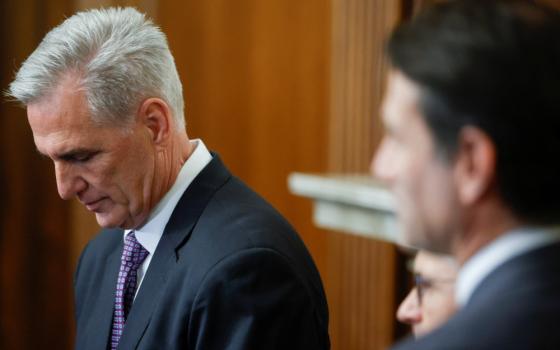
383,164
409,311
68,181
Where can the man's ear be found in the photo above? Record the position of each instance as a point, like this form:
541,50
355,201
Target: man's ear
475,165
156,116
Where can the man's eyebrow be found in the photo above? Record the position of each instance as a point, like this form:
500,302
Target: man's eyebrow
71,154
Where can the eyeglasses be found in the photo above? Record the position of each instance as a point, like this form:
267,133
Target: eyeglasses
422,284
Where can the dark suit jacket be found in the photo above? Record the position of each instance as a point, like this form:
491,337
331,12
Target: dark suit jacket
228,273
516,307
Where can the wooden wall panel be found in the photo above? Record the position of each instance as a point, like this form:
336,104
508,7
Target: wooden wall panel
362,273
35,273
552,3
359,30
361,292
255,79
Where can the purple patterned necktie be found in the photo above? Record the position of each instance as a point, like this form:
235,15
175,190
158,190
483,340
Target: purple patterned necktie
132,257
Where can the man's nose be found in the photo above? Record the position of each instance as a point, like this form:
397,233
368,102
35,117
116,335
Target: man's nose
68,181
383,163
409,311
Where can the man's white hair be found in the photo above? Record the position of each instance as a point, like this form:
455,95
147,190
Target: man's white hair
120,58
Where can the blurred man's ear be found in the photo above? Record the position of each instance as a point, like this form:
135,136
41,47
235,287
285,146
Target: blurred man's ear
156,116
475,165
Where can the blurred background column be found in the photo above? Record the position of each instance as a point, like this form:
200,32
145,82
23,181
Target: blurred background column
361,274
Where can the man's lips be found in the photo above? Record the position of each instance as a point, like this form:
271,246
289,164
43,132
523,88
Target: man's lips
94,205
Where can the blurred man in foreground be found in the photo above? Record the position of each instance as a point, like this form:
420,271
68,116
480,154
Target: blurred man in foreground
189,257
472,118
432,300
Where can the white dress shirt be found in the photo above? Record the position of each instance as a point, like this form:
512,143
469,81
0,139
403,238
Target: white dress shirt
502,249
150,233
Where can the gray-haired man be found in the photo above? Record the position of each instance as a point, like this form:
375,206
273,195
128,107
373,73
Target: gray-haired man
189,257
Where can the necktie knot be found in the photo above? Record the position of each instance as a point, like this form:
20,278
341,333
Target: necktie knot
133,253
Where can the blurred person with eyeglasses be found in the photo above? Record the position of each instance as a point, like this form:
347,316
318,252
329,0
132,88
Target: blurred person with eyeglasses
431,302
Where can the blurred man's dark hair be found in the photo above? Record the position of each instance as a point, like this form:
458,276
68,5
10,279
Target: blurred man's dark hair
495,66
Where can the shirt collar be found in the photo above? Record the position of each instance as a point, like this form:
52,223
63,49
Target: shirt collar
150,233
502,249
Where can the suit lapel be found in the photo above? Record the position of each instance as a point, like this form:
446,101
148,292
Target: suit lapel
176,233
527,268
103,311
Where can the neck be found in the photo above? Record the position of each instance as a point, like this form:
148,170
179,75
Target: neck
484,225
169,163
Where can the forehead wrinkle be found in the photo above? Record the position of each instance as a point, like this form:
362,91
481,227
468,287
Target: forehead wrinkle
62,136
52,145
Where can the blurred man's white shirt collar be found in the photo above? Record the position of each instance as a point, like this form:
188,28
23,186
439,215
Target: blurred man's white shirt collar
150,233
499,251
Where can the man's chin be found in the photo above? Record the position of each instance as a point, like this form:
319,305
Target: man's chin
406,236
108,221
411,239
126,222
426,242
